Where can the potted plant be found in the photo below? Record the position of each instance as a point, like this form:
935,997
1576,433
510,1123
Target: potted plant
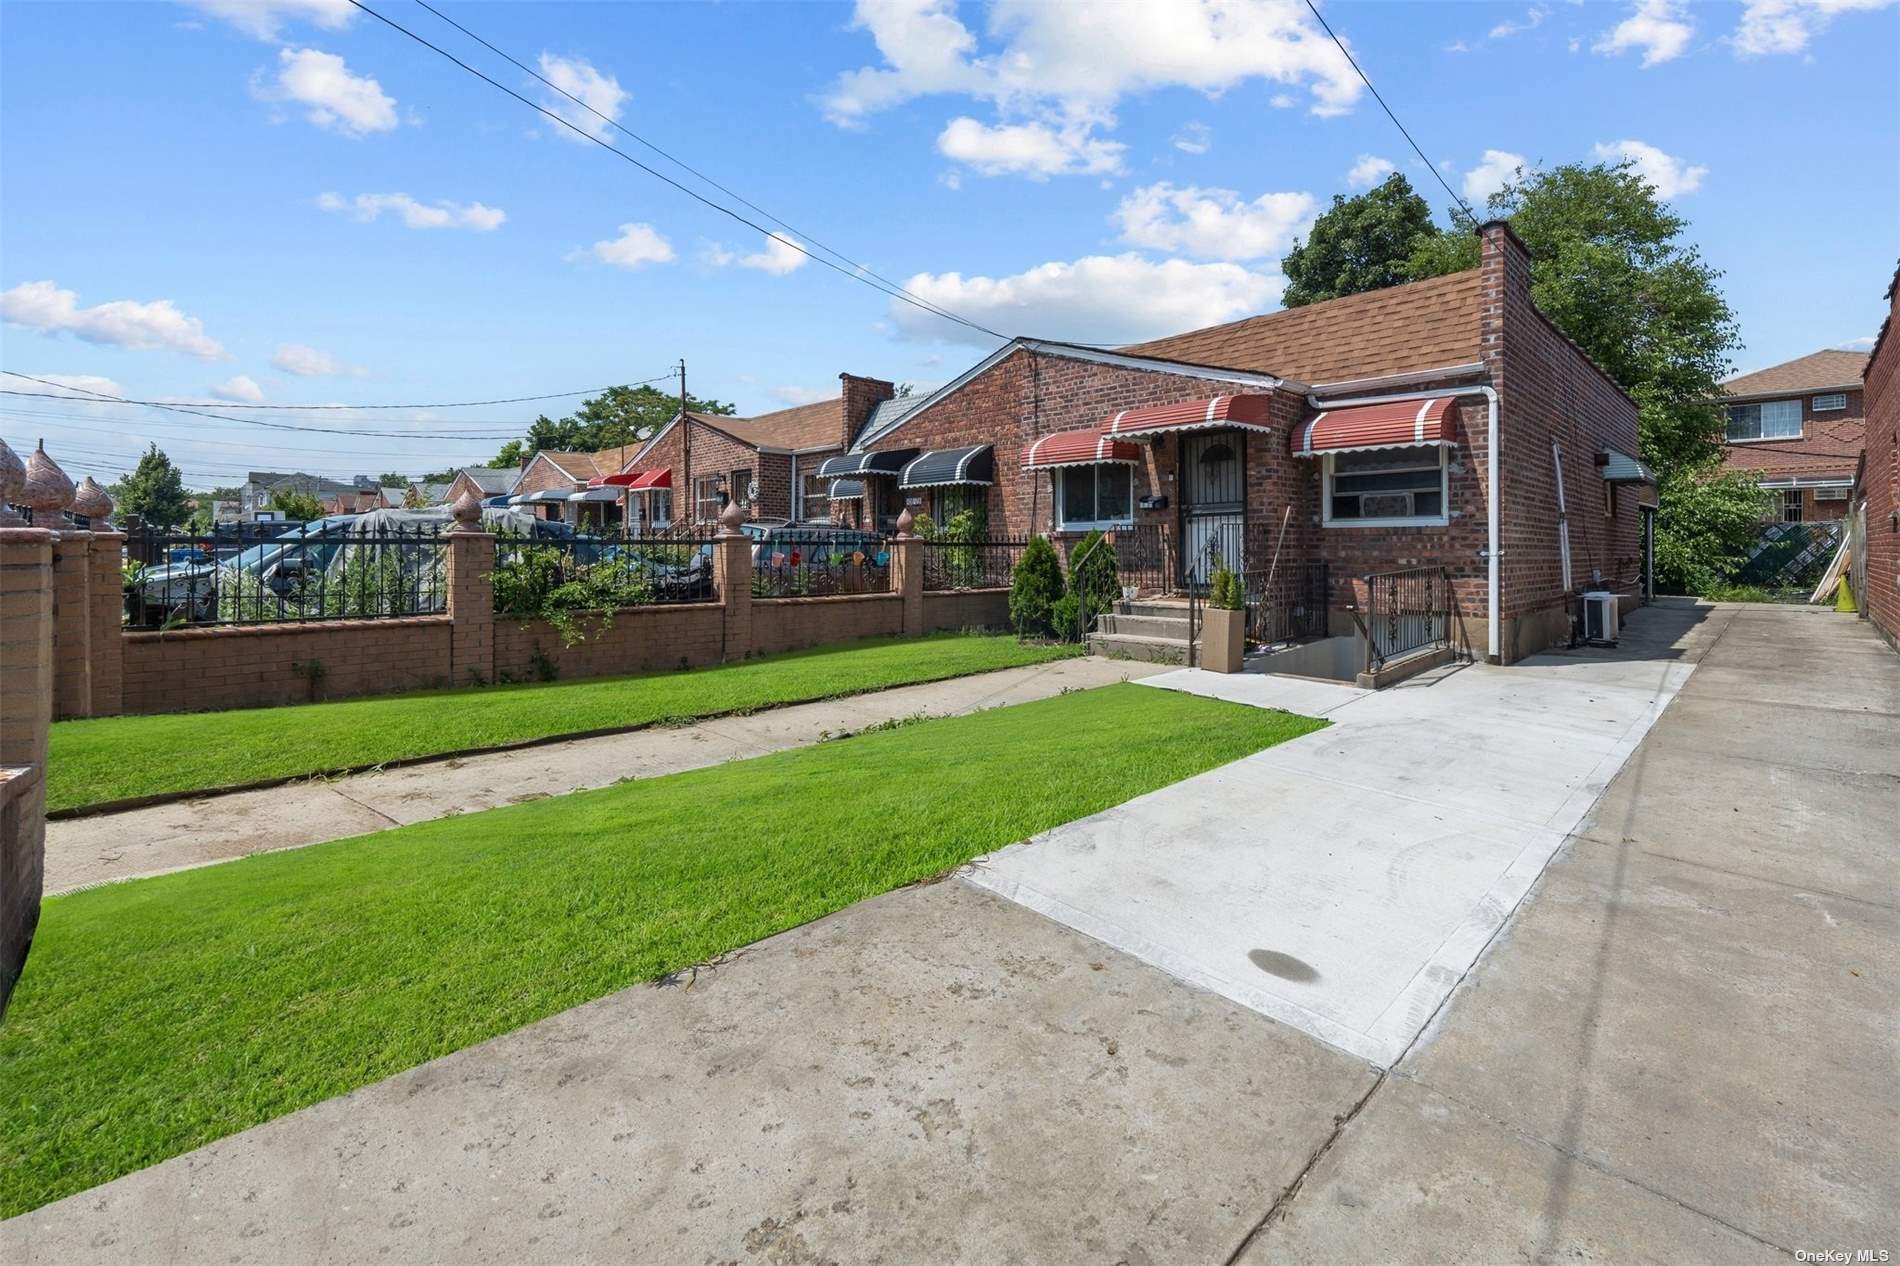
1224,634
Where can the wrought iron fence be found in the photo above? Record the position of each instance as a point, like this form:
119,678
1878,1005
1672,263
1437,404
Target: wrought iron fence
985,564
597,572
1406,611
1145,558
1286,602
265,575
802,562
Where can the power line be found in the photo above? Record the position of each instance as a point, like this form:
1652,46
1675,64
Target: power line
1469,214
896,290
853,273
222,404
76,422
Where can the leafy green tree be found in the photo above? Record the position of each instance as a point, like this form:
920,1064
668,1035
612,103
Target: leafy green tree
155,491
392,479
619,415
296,505
1359,244
1035,589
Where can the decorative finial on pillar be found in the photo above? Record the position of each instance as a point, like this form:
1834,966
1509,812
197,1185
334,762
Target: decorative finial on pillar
48,491
730,519
12,484
905,522
467,511
92,501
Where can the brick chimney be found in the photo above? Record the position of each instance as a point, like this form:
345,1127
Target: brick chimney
1504,286
861,395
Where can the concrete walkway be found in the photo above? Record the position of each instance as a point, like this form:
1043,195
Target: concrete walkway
1683,1049
81,852
1345,883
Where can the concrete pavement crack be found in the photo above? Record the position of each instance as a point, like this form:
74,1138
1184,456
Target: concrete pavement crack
1292,1190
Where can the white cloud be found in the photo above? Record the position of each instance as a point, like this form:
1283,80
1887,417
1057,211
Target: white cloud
83,388
1283,101
240,388
307,362
1212,223
1669,174
43,306
599,91
1036,150
1369,171
1786,26
266,18
1457,46
805,395
1659,27
1498,169
1532,19
417,215
1099,298
1193,138
780,256
1865,343
349,104
637,244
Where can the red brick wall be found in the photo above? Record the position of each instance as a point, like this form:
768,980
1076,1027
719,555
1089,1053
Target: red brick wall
966,609
1548,389
541,475
189,670
789,624
861,395
1881,480
640,640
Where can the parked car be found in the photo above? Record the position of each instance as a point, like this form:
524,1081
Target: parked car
784,543
186,586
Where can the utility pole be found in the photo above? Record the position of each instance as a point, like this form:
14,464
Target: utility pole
683,495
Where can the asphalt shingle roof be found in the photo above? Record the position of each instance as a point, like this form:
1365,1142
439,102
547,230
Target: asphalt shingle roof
1830,368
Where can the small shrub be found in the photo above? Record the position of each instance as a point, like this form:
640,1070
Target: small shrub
1035,588
1094,583
1226,593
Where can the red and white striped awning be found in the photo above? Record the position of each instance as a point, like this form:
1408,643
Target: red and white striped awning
1245,413
1398,424
1078,448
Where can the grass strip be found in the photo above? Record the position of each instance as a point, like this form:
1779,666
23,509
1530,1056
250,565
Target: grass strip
107,759
161,1014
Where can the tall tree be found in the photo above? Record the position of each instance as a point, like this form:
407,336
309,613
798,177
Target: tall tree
293,504
1360,243
619,415
155,491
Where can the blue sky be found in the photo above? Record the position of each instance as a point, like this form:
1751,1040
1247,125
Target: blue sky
288,202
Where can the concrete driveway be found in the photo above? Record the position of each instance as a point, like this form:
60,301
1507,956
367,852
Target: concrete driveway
1682,1048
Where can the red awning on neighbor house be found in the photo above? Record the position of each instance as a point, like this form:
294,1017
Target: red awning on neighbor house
1246,413
1078,448
1398,424
643,480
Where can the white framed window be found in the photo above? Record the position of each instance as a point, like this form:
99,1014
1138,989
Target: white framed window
708,500
1769,420
660,506
1829,403
814,499
1100,496
1387,487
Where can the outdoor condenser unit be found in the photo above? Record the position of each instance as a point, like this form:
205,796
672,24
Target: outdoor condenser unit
1599,617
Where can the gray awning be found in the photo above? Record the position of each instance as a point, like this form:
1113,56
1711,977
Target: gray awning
1621,468
547,496
596,494
846,489
944,467
845,465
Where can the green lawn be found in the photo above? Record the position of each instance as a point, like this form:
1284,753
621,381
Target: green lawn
157,1015
117,758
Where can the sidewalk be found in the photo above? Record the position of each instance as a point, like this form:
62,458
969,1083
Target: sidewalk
81,852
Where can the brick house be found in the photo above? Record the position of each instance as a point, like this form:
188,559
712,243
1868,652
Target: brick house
563,485
1879,488
769,463
1354,433
1800,427
483,481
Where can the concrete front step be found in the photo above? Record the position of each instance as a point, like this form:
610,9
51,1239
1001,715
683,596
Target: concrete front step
1161,626
1161,608
1153,650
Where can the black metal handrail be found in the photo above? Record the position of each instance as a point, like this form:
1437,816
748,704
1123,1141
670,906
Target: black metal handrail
1405,611
981,564
1286,602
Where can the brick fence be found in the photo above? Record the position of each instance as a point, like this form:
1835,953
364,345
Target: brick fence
101,670
27,594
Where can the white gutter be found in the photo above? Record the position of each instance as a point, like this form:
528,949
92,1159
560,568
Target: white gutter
1394,380
1494,631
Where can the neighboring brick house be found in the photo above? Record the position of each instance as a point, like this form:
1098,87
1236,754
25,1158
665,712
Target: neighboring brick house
257,495
769,463
1800,427
1880,475
483,481
1212,439
562,485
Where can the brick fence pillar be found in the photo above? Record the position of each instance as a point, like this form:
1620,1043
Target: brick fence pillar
106,613
471,582
907,574
72,624
732,579
26,709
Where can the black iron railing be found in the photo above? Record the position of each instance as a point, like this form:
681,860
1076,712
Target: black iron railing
265,575
1145,558
803,562
1286,602
600,572
985,564
1405,611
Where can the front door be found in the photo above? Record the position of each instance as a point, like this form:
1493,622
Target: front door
1212,478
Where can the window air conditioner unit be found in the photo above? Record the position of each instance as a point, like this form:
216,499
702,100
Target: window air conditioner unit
1599,617
1830,494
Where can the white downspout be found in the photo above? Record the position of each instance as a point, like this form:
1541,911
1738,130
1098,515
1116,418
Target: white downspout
1494,634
